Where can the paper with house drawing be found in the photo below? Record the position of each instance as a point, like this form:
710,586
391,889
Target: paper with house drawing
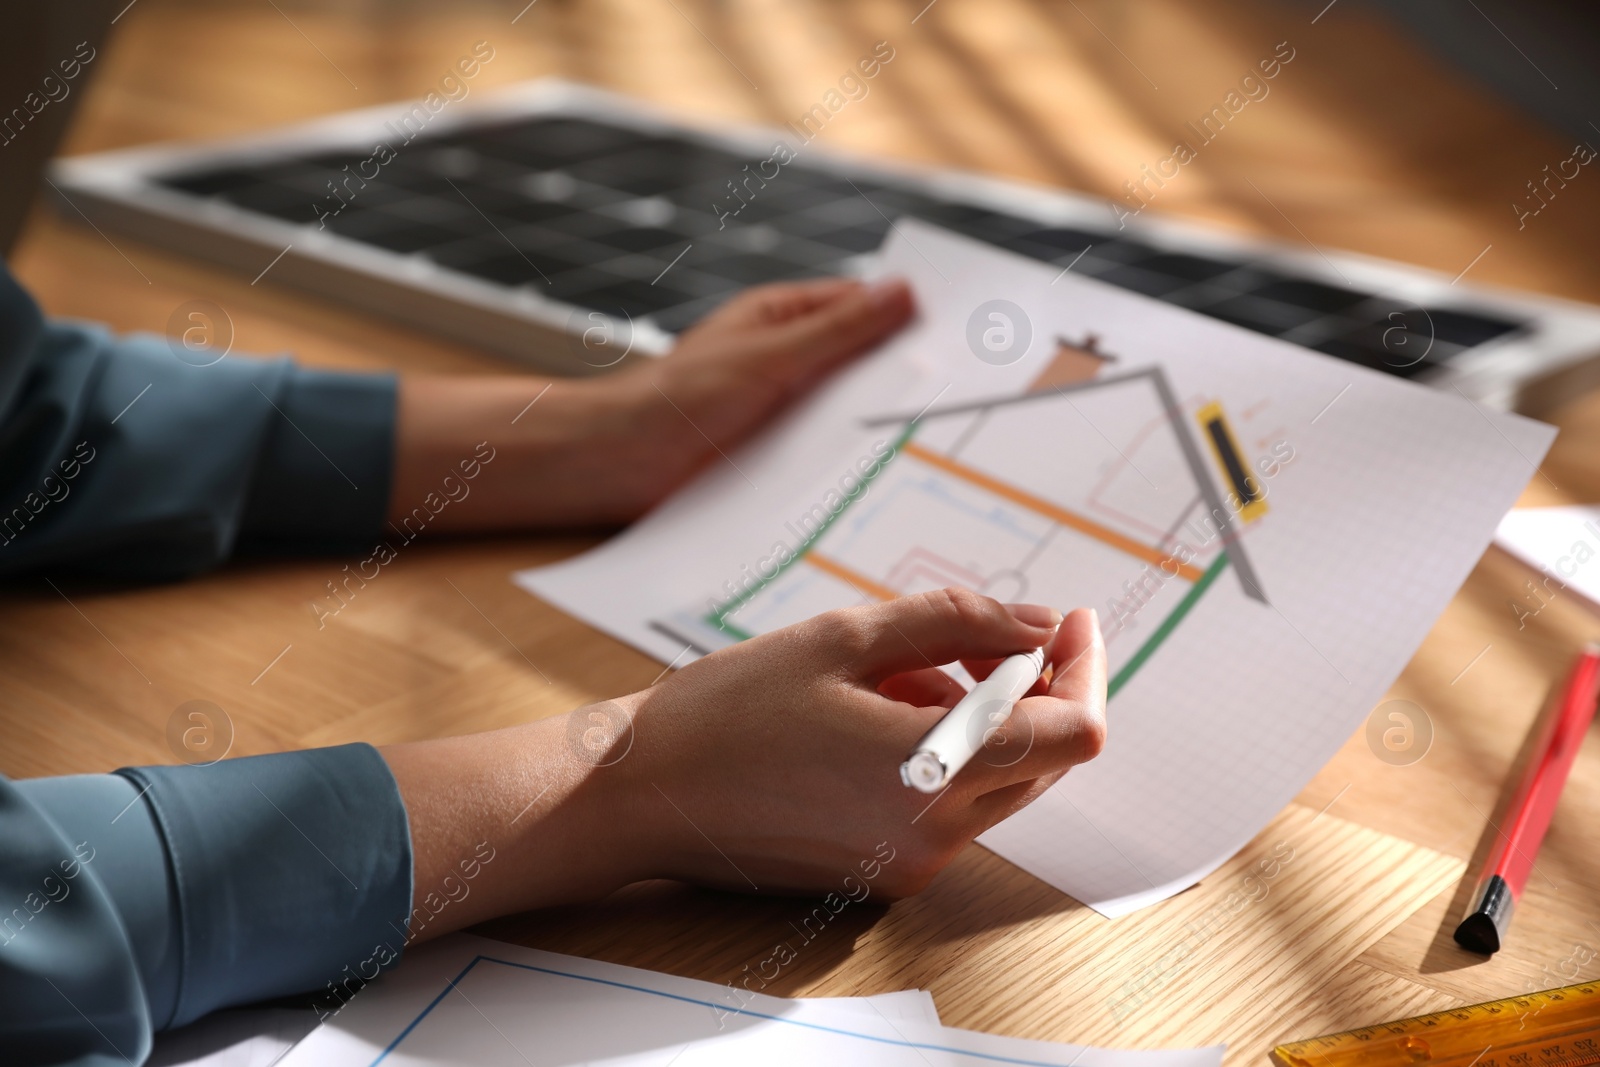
1267,533
468,1001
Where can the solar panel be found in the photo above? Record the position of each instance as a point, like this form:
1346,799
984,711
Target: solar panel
664,227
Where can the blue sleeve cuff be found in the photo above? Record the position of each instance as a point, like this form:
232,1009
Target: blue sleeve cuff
103,813
70,989
292,873
322,481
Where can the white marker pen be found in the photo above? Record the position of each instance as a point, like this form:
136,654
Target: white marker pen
958,736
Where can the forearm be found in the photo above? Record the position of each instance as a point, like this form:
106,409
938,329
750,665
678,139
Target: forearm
563,452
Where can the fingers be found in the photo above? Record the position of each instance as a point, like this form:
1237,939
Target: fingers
1066,725
916,632
780,340
846,325
1078,658
777,303
927,688
1002,803
982,668
810,331
783,302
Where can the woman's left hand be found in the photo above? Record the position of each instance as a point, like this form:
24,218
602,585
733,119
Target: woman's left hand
604,450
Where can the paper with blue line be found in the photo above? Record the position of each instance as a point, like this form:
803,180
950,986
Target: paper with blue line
469,1001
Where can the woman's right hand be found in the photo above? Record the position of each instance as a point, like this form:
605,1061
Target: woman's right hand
773,765
770,766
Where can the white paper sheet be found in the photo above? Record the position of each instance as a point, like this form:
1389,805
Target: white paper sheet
911,1005
1562,544
1242,672
468,1001
239,1037
260,1037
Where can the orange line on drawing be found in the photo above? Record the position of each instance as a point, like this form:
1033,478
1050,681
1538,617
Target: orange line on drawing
861,582
1052,511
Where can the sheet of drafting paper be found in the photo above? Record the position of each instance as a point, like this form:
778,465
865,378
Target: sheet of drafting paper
1267,533
472,1002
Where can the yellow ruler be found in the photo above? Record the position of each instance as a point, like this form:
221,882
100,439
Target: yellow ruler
1555,1028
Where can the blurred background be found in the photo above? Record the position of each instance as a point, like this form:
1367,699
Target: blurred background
1408,134
1372,140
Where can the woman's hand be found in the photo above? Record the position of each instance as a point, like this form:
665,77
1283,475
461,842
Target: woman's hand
602,451
774,764
770,766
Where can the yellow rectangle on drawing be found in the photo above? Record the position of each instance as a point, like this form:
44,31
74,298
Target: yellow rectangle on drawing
1241,484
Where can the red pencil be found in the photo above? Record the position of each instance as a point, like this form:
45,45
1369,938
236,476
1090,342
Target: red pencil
1561,731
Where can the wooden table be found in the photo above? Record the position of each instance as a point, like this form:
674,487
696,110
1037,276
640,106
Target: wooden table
1364,143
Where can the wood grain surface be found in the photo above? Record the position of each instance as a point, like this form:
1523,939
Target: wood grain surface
1365,143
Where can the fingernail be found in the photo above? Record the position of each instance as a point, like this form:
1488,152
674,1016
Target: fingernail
886,292
1035,615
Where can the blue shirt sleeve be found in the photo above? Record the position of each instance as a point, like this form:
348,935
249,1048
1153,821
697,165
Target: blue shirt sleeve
130,457
156,895
70,988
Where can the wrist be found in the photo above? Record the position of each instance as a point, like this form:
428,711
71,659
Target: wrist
590,824
596,451
615,800
511,821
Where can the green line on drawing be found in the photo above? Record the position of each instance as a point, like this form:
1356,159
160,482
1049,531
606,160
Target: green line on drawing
1168,624
727,627
719,617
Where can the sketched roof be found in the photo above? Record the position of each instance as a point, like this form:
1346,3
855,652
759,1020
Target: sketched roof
1227,521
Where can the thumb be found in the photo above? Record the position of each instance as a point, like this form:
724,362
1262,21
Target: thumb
911,633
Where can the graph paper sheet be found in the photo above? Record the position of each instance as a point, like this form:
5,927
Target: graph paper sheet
469,1001
1267,534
